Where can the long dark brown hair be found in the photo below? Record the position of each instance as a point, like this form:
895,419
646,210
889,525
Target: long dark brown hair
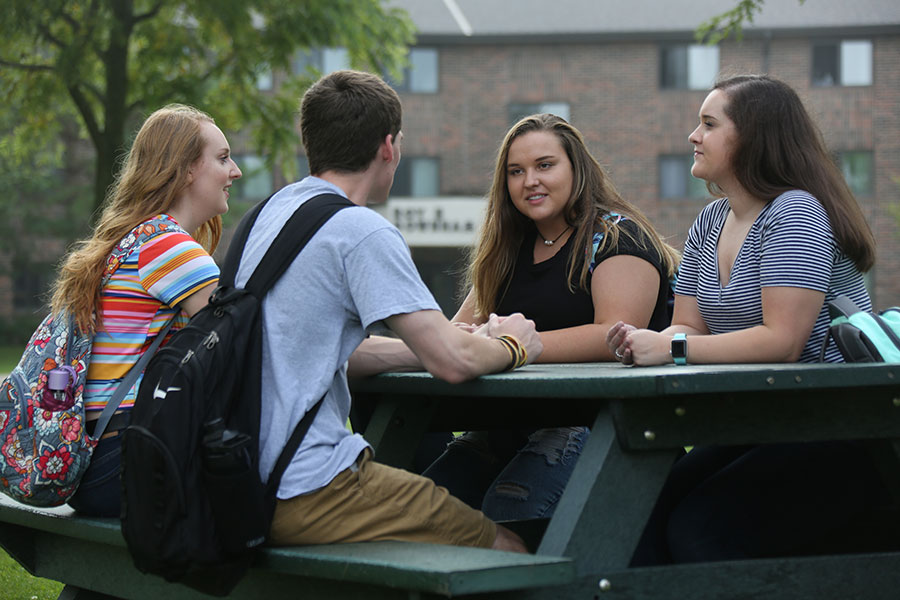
780,148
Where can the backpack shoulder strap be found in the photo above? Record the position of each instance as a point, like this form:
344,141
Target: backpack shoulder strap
302,225
842,306
299,229
290,449
236,247
888,331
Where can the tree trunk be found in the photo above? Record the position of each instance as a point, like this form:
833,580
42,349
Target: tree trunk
112,138
103,174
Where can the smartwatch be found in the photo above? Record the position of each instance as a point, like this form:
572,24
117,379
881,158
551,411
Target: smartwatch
678,349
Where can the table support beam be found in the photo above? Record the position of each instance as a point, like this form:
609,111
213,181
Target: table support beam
610,495
396,428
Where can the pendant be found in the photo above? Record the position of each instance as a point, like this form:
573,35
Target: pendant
548,242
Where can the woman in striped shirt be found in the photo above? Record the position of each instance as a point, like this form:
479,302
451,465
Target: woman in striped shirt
760,263
173,187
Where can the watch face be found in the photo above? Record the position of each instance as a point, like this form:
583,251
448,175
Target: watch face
679,348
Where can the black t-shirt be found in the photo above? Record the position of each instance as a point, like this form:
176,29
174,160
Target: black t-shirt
540,292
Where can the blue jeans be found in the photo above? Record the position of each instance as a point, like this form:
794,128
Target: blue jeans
99,493
510,475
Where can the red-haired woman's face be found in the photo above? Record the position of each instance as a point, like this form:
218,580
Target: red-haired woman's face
211,176
714,141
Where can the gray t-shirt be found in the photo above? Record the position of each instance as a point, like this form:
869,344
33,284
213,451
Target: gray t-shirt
355,272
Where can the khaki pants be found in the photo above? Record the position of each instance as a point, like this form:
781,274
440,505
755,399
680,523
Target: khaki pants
375,502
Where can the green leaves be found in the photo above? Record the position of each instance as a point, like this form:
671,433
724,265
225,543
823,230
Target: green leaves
729,22
61,58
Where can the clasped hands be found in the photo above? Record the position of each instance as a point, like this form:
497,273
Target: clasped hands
515,325
643,347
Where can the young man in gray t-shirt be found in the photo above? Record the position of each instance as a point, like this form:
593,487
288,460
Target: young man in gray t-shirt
356,274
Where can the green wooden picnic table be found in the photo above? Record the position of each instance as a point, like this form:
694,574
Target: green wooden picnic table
640,420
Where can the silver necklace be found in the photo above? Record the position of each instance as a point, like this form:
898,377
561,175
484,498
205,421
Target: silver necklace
551,242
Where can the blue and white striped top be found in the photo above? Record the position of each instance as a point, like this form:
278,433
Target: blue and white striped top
790,244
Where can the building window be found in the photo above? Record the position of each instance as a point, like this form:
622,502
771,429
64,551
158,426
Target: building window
417,177
334,59
321,60
264,78
688,66
421,76
847,63
305,61
858,168
518,110
256,179
302,167
675,179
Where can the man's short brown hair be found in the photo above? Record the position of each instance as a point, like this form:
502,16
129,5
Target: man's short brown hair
344,117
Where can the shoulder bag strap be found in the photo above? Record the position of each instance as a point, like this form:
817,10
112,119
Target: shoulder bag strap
127,382
125,248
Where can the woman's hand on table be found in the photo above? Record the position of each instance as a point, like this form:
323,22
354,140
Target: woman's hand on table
642,347
615,340
645,347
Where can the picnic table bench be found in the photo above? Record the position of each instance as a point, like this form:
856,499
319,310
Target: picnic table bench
640,420
90,556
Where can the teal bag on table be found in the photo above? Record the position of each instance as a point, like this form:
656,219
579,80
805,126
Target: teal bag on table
863,336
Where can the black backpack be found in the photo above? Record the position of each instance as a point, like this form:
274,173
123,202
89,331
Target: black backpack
194,508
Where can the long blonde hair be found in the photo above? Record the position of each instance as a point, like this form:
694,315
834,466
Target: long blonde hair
154,173
593,195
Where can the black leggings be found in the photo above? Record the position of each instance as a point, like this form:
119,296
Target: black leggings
725,503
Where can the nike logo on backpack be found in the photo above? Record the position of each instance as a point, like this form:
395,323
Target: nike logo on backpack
161,394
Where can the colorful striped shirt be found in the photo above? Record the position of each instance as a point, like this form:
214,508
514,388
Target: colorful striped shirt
136,303
790,244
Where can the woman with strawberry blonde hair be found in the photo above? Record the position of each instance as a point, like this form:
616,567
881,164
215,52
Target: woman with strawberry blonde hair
172,189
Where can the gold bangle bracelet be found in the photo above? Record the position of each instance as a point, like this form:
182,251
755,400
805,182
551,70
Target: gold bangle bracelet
512,353
518,351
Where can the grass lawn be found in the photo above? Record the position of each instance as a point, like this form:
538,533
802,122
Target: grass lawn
15,582
9,357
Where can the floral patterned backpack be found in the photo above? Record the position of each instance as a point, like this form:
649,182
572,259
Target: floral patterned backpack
44,447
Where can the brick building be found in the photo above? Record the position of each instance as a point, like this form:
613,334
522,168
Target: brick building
632,79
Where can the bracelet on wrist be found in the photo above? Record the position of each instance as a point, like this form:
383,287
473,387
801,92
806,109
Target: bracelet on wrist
512,354
517,353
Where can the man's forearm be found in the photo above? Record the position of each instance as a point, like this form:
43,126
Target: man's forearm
380,354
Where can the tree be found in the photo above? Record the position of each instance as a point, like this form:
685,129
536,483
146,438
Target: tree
729,22
107,63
